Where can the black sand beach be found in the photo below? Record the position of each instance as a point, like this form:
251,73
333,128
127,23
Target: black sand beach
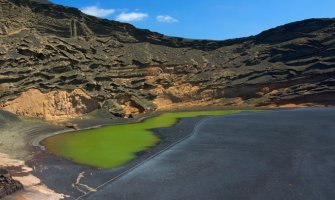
281,154
287,154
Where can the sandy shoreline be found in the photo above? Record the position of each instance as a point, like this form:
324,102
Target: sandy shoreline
33,187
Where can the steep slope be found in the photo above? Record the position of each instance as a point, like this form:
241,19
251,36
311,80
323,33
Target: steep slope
128,70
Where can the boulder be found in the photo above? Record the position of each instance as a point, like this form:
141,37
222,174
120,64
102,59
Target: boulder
112,106
7,184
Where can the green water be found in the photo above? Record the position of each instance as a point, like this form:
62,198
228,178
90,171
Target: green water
112,146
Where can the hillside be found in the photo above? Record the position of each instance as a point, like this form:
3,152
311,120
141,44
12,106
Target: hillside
56,62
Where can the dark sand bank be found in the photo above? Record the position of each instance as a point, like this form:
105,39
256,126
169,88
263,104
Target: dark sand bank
287,154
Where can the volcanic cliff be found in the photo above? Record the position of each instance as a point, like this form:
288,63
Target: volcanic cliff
57,62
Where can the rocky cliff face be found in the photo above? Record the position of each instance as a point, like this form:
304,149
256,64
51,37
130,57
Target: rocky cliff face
53,105
126,70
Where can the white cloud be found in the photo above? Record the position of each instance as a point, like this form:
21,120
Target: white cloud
132,16
96,11
166,19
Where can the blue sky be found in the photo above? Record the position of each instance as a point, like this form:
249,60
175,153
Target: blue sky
206,19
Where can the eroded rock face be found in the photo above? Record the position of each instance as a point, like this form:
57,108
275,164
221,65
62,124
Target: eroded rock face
130,70
7,184
54,105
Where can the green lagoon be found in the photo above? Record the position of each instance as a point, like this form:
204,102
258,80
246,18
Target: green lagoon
114,145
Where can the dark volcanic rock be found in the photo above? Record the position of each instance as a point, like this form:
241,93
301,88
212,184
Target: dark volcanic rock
112,106
129,70
7,184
